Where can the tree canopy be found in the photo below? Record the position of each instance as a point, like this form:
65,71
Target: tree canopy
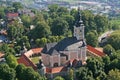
7,73
114,40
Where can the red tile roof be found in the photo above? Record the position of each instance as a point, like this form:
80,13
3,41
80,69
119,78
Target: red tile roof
12,15
1,55
29,53
95,51
33,51
99,49
37,50
4,32
26,61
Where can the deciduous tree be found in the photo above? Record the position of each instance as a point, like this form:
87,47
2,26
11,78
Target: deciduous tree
7,73
11,61
59,27
114,75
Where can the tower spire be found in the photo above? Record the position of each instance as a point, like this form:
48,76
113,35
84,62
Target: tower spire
79,27
79,21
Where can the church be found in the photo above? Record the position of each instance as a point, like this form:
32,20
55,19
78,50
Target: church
69,52
56,59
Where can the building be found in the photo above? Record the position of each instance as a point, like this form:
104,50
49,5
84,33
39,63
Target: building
2,59
58,58
25,58
69,52
12,16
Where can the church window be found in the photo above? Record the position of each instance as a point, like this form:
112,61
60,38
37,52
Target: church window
55,64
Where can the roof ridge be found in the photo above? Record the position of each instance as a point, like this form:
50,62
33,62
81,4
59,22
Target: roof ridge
31,63
97,52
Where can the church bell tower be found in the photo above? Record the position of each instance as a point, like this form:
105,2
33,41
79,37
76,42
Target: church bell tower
79,28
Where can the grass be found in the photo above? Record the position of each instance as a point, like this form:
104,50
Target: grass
17,57
35,60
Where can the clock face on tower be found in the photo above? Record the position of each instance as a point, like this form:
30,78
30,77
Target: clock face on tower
78,31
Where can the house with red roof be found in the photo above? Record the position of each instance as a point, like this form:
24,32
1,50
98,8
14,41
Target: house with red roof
94,51
26,60
2,57
12,16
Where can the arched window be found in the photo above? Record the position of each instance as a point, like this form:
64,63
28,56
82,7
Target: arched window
55,64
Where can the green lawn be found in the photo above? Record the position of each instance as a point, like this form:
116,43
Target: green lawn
35,60
17,57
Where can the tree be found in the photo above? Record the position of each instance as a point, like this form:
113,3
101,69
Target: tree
7,73
12,32
15,30
17,5
96,65
41,30
62,11
53,8
101,22
84,74
58,78
92,39
6,49
11,61
114,40
2,13
24,73
30,74
108,49
101,76
106,61
88,19
38,18
9,9
41,42
22,42
59,27
20,72
115,55
55,38
27,21
74,13
70,19
25,40
114,75
17,49
114,64
71,74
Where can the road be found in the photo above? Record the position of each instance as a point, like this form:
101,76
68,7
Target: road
104,35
